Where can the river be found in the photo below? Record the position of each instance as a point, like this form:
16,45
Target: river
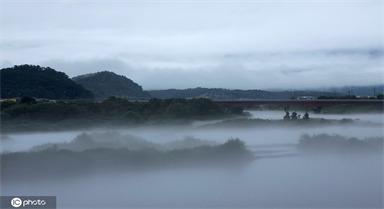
277,180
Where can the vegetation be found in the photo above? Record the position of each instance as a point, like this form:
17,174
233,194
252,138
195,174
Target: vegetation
226,94
58,163
105,84
39,82
339,144
27,100
113,111
116,140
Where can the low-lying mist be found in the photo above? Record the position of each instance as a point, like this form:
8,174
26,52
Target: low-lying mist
331,164
303,181
324,143
111,151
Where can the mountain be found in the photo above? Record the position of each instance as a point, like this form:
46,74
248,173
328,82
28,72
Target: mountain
105,84
226,94
40,82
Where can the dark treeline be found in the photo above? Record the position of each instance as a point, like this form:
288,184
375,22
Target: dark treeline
112,110
58,163
114,107
227,94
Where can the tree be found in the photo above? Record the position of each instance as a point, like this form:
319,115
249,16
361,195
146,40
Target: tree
132,116
178,110
104,84
39,82
27,100
234,143
237,110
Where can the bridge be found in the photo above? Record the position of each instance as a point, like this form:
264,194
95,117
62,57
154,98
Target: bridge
316,104
305,103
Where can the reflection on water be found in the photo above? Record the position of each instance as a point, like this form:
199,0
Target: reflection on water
328,182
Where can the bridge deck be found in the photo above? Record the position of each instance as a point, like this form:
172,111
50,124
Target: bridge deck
306,103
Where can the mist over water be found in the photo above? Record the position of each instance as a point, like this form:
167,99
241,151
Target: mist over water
252,136
277,178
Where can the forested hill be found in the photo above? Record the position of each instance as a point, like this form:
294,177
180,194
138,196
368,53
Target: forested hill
226,94
40,82
104,84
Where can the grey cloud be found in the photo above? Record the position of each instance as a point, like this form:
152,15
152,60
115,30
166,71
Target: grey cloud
19,45
294,71
252,71
377,53
75,68
371,52
5,64
188,44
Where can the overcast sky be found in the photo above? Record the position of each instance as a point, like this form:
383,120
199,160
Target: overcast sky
186,44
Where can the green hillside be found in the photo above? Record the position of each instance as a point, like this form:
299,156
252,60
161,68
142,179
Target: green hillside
105,84
40,82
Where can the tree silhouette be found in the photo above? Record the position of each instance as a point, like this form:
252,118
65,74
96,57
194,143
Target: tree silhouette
28,100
